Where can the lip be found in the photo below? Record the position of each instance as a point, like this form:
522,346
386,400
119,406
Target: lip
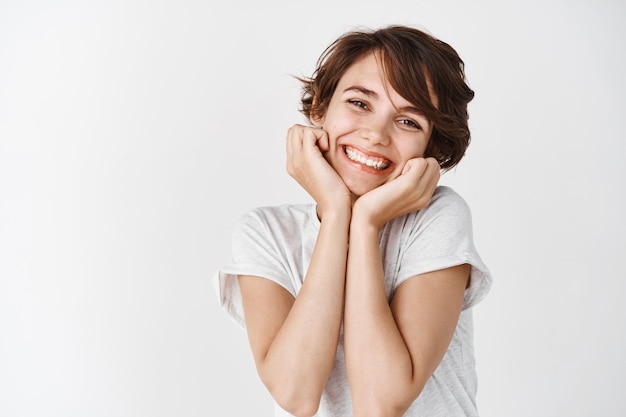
368,153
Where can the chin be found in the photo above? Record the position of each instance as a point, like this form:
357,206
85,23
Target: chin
358,190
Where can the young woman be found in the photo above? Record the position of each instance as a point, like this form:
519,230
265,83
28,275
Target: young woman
359,304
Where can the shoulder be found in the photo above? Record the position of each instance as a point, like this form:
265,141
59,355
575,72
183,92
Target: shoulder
445,203
446,216
276,222
445,197
287,213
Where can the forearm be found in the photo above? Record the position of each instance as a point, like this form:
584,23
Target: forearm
380,369
299,360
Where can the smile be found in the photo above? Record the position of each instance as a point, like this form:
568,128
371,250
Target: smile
371,161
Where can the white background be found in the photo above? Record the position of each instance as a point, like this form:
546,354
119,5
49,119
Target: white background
133,134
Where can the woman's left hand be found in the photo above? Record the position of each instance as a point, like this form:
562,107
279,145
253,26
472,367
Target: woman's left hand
410,191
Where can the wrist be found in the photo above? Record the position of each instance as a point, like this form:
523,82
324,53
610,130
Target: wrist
336,213
362,218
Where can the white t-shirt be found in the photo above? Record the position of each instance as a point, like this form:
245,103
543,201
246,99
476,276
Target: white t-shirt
277,243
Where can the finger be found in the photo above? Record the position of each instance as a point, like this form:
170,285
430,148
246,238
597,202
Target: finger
433,169
312,135
294,146
431,176
289,144
322,141
315,141
426,168
425,174
416,165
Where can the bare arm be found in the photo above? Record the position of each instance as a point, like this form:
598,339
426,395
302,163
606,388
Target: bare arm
294,341
391,351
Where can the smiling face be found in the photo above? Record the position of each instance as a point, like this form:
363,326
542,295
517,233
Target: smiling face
373,131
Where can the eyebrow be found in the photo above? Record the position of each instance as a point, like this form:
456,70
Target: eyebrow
374,94
363,90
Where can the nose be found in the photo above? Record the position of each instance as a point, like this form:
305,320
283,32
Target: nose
376,133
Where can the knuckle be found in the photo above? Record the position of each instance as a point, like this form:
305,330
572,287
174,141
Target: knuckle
424,200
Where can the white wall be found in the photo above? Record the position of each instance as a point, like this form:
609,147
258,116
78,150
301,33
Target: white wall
134,134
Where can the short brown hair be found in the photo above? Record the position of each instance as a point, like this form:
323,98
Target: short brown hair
412,60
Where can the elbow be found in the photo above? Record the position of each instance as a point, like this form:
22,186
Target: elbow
296,402
298,408
385,406
296,394
301,410
380,410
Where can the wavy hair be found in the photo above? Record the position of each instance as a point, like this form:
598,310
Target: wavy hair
417,65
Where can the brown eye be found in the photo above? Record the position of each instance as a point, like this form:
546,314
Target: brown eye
410,123
358,103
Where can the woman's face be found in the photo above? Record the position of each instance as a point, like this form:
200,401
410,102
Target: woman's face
372,130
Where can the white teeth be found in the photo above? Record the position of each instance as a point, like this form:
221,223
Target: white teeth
356,156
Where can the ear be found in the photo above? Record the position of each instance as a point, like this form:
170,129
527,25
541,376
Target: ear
315,117
316,120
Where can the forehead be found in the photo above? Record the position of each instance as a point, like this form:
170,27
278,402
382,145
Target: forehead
370,70
367,75
367,68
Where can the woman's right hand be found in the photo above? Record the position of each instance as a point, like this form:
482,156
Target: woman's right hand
306,146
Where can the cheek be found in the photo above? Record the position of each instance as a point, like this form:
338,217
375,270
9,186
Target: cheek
339,117
337,128
336,124
413,149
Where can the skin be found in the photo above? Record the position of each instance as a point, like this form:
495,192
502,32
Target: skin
390,350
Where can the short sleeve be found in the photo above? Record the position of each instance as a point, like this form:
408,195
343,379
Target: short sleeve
255,250
440,236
